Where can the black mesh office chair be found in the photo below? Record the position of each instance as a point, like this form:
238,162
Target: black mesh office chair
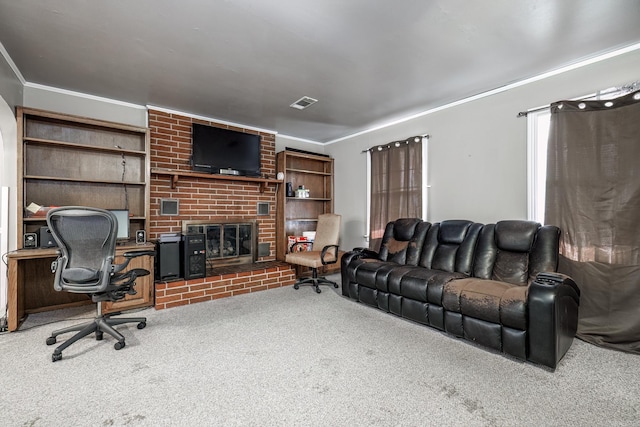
86,239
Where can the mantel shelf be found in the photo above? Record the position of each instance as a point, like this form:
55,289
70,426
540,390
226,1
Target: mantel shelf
176,174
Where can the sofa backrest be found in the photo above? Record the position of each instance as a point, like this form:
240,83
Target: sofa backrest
450,245
516,251
402,240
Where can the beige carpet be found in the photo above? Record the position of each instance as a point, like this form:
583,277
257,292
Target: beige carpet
296,358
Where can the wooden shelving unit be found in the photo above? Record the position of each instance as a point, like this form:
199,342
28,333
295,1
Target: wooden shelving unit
295,215
66,160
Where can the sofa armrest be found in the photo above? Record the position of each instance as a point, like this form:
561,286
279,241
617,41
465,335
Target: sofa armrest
552,303
347,258
366,253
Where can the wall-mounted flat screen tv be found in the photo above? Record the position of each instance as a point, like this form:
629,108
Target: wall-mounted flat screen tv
224,151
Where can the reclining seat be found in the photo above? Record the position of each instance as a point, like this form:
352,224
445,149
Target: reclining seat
447,254
400,247
496,312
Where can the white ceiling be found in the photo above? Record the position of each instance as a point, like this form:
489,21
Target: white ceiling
245,61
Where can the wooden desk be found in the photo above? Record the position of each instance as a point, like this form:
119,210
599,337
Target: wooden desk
30,287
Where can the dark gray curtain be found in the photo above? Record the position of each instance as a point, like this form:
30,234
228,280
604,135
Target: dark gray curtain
593,195
396,185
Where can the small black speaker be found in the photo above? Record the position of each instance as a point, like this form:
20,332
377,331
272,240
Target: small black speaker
193,256
30,241
168,260
289,190
141,237
46,238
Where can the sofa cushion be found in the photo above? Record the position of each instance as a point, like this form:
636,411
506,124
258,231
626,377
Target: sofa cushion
397,250
514,241
402,241
511,267
513,307
423,284
449,246
414,283
516,236
488,300
367,271
404,228
481,299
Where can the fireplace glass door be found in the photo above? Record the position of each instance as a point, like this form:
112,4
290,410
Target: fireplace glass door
226,244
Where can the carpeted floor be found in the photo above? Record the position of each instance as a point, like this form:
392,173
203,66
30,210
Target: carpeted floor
297,358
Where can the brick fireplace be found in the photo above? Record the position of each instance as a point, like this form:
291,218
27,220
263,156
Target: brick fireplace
214,201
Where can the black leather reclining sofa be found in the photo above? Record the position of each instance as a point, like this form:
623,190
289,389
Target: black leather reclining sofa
494,284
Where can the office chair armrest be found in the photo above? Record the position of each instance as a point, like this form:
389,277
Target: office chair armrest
135,254
324,252
116,268
54,264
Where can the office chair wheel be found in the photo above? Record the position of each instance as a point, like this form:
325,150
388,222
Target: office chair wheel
56,357
51,341
99,335
318,290
141,325
119,345
296,286
335,285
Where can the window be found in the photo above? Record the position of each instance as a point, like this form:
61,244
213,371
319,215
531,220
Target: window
396,184
538,121
538,136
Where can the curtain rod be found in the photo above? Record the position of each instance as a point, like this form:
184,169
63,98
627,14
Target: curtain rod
535,110
424,135
630,87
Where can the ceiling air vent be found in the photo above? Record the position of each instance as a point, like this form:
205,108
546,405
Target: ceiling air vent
303,103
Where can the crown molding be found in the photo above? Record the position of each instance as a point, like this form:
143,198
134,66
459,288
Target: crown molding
209,119
12,64
570,67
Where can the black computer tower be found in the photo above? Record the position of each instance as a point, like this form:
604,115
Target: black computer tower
193,256
168,260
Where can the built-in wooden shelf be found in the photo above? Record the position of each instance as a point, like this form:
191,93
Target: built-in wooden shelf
77,146
176,174
295,215
95,181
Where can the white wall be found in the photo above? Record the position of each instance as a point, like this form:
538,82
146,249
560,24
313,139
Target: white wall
477,165
9,173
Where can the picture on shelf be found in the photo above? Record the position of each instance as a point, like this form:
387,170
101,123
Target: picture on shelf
299,244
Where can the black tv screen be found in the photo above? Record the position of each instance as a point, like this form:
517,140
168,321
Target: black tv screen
225,151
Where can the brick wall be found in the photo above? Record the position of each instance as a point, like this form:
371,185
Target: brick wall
208,199
182,292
